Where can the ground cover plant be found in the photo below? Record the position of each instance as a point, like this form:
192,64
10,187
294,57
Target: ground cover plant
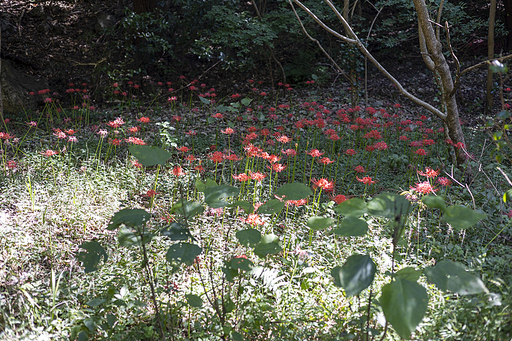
271,214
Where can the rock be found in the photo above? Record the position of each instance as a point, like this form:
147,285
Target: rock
16,86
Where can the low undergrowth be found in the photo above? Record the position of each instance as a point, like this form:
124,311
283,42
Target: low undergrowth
263,216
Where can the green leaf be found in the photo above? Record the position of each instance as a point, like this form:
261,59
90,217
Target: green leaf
214,195
176,231
210,120
319,223
351,227
247,206
461,217
507,196
269,245
187,209
111,320
404,304
249,237
271,206
294,191
129,237
236,336
409,274
194,300
129,217
246,101
434,201
96,302
451,276
355,275
204,100
202,186
389,205
241,263
183,252
93,255
352,207
150,156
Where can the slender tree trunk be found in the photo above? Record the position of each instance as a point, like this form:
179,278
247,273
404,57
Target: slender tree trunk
435,52
490,54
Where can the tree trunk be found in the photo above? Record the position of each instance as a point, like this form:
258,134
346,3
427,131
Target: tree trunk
434,49
490,54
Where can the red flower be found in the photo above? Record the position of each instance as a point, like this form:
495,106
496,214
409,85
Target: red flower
366,180
421,152
424,187
135,163
253,219
339,199
216,157
324,184
227,131
315,153
49,153
257,176
241,177
429,173
151,193
135,140
277,167
183,149
143,119
289,152
444,181
178,171
133,130
350,152
360,169
218,115
326,161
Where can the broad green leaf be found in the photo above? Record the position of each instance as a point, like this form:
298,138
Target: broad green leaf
150,156
389,205
111,320
249,237
246,101
202,186
187,209
294,191
270,207
434,201
204,100
404,304
247,206
409,274
352,207
92,256
214,195
176,231
96,302
129,217
319,223
451,276
194,300
507,196
236,336
351,227
355,275
461,217
183,252
268,245
129,237
241,263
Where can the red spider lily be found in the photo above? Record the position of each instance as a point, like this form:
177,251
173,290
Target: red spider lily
339,199
49,153
115,142
273,158
360,169
429,173
297,203
325,161
444,181
350,152
289,152
277,167
144,119
218,115
178,171
324,184
257,176
183,149
253,219
420,152
283,139
135,140
227,131
150,194
251,150
241,177
424,187
374,134
216,157
381,145
264,132
232,157
367,180
12,164
133,130
315,153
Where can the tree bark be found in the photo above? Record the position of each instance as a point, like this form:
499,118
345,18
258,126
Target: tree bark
490,54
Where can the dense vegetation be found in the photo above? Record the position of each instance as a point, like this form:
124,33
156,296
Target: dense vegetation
279,211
